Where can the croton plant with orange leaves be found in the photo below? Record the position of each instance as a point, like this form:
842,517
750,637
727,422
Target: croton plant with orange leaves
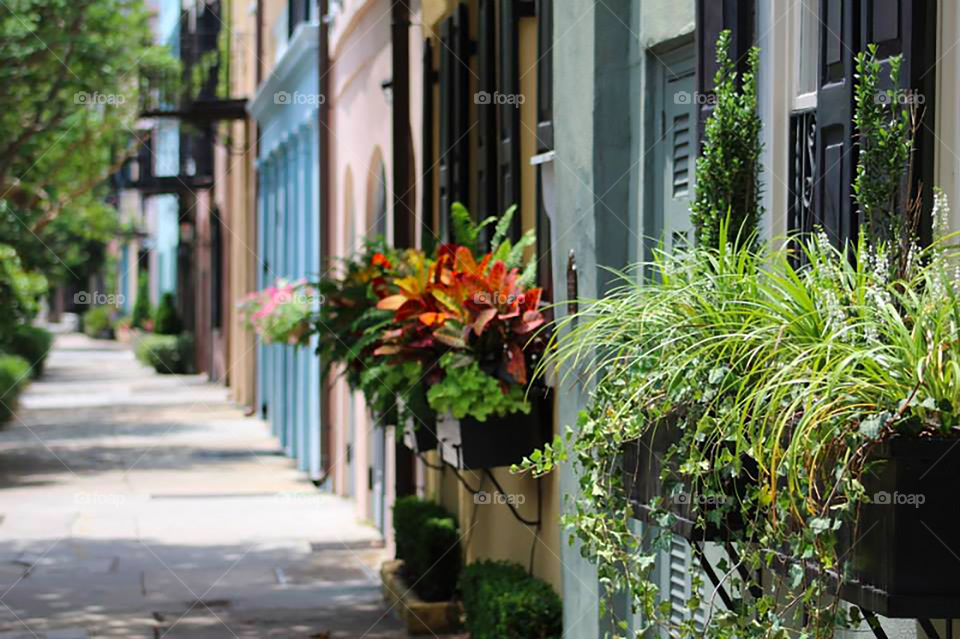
458,328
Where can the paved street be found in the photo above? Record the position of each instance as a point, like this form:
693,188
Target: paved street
140,505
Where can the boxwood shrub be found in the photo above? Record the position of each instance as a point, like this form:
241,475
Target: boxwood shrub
97,323
502,601
166,321
32,343
167,353
427,539
14,375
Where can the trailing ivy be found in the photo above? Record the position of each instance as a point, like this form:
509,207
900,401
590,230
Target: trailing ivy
728,171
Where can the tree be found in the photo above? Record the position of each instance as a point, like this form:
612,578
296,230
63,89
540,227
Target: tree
69,101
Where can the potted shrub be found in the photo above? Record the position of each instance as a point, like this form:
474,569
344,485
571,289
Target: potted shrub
33,344
421,582
98,323
501,601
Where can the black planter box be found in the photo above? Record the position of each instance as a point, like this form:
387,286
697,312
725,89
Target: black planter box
642,466
903,557
499,441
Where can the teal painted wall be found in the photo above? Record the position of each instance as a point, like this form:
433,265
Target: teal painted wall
288,378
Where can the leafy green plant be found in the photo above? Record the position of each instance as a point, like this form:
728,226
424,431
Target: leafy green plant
466,390
14,375
502,601
166,320
167,353
728,171
31,343
886,121
141,307
97,322
428,541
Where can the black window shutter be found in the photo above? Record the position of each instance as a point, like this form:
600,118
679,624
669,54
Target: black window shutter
835,160
487,203
508,156
544,9
454,149
712,17
544,75
427,231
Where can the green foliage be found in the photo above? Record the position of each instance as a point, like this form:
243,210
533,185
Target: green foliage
502,601
98,322
166,321
141,307
428,542
470,234
14,375
18,291
885,121
466,390
66,112
728,171
167,353
784,377
436,559
33,344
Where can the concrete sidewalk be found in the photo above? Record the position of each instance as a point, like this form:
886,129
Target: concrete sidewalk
141,505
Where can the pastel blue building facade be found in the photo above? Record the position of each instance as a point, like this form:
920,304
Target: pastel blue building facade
288,240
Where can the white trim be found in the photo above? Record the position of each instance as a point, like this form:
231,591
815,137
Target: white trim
303,43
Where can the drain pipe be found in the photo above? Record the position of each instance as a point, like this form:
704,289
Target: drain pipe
325,214
403,204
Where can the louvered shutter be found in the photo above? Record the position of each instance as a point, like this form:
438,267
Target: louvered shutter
508,156
487,203
676,149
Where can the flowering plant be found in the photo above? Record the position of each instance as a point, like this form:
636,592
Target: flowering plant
281,313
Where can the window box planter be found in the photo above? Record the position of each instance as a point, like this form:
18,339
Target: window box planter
642,465
499,441
420,437
901,560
